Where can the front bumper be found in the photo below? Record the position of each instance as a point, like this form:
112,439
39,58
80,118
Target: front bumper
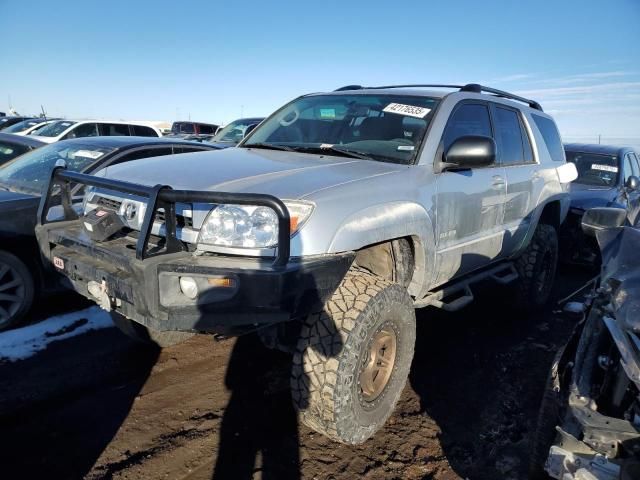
257,292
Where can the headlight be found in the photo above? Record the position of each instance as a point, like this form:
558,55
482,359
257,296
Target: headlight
249,226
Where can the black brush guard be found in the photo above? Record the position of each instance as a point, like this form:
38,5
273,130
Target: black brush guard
161,197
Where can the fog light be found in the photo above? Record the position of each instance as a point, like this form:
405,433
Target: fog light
189,287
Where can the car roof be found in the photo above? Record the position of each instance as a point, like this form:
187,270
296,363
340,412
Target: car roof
597,149
21,140
125,142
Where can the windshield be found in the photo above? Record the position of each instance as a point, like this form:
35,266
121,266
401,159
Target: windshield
55,128
235,131
30,172
381,127
594,169
20,126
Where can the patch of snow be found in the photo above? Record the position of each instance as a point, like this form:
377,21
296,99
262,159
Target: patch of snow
25,342
574,307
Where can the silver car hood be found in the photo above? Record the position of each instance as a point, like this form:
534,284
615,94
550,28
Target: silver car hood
287,175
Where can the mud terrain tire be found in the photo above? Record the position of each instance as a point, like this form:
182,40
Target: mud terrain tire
536,268
142,334
15,282
339,348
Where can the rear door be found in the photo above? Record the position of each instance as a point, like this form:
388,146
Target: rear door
469,203
523,181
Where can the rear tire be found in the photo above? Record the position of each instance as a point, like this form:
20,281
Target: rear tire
17,290
536,268
353,358
142,334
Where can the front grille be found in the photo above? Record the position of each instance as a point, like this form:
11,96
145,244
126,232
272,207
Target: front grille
109,203
181,220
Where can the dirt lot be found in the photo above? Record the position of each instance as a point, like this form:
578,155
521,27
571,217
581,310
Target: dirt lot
99,406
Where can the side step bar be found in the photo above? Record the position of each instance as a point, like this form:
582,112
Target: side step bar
461,290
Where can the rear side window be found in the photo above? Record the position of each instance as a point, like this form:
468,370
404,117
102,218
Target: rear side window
114,129
467,119
84,130
206,129
551,137
513,143
628,170
142,131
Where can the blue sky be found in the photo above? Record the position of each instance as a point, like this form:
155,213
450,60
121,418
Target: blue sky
158,60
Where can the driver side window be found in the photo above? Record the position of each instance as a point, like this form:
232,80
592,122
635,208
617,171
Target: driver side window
467,119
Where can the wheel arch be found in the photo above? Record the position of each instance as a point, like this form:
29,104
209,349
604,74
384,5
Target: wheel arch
375,229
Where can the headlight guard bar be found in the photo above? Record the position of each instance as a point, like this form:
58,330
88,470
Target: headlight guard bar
161,196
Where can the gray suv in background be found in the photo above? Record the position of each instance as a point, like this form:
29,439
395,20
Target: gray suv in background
329,224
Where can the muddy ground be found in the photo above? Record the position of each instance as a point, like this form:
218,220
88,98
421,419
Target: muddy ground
100,406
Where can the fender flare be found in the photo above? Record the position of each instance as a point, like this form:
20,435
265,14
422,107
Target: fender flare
388,221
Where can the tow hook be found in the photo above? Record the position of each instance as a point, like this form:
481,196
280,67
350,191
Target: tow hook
102,297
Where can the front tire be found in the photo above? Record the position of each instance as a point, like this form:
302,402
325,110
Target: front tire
17,290
536,269
142,334
353,358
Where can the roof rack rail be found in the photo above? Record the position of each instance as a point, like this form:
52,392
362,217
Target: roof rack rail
470,87
476,88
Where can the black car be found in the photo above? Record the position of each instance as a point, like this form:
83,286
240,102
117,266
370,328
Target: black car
22,277
232,134
608,176
12,146
8,121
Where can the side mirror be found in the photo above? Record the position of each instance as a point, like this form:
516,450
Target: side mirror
632,183
602,218
471,151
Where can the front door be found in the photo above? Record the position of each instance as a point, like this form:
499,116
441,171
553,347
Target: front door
469,203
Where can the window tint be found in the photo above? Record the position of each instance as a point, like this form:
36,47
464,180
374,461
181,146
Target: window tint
114,129
142,131
84,130
11,150
509,136
206,129
144,153
551,137
468,119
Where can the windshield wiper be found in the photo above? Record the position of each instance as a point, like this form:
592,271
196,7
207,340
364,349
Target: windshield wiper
337,150
269,146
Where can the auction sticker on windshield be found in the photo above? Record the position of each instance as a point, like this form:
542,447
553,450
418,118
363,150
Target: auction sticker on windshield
604,168
408,110
89,154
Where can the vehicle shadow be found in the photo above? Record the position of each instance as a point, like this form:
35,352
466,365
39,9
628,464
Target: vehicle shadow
474,371
259,430
62,408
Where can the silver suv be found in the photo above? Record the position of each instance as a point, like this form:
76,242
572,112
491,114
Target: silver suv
323,231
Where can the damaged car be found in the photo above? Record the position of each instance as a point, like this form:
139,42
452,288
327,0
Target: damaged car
608,176
590,413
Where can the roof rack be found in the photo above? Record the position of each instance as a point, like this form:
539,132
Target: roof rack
470,87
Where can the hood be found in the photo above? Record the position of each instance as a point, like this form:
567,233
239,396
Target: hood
287,175
7,198
589,196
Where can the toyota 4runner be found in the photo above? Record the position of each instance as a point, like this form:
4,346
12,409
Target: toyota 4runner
323,231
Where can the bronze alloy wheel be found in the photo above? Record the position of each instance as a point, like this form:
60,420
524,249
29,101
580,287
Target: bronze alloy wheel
381,359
